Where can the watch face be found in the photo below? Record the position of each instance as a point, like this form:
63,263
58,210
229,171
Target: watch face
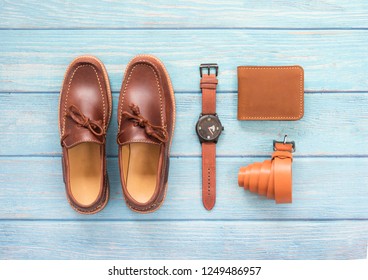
209,127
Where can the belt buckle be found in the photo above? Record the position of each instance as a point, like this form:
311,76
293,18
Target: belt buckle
208,66
284,142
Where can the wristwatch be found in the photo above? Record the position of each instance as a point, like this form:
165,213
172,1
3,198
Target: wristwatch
208,129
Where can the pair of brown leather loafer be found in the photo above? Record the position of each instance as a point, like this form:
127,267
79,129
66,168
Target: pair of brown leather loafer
146,119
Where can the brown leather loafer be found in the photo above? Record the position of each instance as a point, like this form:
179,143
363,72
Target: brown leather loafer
84,115
146,119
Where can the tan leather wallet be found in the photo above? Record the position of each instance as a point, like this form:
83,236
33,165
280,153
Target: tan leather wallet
270,92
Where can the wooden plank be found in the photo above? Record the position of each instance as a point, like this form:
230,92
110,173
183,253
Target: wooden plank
187,14
334,60
184,240
32,188
330,121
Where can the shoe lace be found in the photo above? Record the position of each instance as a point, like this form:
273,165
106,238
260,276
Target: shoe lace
74,113
155,131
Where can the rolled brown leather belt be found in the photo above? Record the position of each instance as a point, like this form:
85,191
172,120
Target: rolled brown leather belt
271,178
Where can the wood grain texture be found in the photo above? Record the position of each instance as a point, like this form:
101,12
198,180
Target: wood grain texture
183,14
333,60
329,122
32,188
222,240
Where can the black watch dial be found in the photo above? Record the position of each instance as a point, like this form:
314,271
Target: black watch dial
209,128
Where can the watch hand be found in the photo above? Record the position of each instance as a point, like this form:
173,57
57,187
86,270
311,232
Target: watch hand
211,129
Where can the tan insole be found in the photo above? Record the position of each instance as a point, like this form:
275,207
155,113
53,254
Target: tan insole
140,164
85,172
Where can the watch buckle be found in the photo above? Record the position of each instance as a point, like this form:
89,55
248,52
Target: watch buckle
208,66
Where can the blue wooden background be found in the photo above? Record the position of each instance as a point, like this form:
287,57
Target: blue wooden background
329,215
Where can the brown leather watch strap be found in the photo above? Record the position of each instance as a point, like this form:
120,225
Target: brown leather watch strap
209,175
208,86
272,178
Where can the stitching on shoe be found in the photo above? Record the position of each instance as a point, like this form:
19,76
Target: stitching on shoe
67,95
142,63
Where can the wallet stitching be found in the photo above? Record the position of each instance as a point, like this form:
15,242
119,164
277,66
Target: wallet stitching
301,105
